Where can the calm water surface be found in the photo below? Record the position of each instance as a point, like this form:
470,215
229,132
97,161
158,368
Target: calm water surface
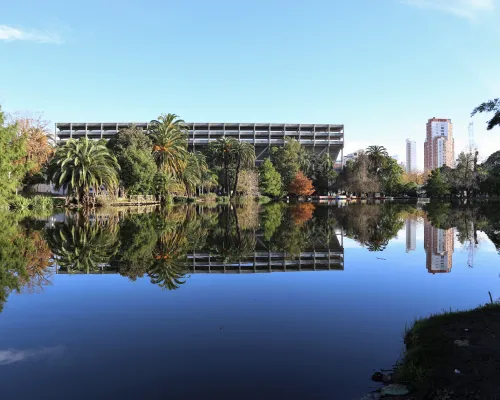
277,301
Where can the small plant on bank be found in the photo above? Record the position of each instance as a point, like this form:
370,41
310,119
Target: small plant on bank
41,203
208,197
223,199
19,203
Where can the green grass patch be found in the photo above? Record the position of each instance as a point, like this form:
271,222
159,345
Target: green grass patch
431,357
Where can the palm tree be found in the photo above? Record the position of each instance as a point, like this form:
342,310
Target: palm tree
377,156
79,165
82,247
244,155
170,139
221,152
192,176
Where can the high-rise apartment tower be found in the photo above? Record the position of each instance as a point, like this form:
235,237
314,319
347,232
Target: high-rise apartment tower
439,146
411,156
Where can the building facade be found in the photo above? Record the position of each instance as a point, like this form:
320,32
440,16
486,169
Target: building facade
351,157
411,156
439,146
320,138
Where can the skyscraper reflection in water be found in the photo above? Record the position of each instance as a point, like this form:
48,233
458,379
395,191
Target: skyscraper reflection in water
439,246
411,235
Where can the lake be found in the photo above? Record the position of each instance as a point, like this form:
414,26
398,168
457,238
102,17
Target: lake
298,301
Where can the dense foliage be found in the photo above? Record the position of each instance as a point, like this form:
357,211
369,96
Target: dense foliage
12,166
81,165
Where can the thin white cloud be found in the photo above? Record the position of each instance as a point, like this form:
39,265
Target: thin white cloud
9,33
11,356
469,9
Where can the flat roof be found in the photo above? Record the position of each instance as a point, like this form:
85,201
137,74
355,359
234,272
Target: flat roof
191,125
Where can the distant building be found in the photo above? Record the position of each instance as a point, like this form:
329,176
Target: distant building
439,146
411,156
439,246
319,138
411,235
352,156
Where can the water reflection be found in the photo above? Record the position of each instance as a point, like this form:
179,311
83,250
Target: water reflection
411,235
439,246
11,356
167,245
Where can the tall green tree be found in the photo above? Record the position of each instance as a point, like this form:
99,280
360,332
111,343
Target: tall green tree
131,136
220,153
357,177
170,138
270,180
244,157
289,160
391,176
324,174
193,173
492,106
133,150
12,166
378,157
437,185
79,165
490,172
464,176
137,170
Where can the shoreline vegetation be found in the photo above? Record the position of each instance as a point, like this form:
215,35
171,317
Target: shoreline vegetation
155,165
450,355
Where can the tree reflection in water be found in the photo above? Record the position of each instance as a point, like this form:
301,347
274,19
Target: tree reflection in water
81,245
162,245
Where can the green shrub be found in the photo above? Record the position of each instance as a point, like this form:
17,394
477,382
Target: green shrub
41,203
103,201
58,203
180,199
19,203
208,197
223,199
264,199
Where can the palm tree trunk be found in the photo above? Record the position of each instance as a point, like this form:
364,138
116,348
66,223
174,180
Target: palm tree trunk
238,165
238,232
226,178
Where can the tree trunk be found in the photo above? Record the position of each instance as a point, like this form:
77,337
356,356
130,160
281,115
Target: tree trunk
238,232
226,178
238,166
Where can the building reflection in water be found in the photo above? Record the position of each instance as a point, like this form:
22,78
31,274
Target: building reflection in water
439,246
411,235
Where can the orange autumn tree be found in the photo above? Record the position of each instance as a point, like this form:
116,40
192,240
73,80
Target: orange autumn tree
301,213
301,185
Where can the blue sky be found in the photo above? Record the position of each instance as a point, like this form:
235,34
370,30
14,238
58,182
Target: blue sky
380,67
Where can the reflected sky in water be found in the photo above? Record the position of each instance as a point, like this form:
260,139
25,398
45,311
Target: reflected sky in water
133,311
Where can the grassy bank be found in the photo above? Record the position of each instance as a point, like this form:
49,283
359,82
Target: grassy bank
454,355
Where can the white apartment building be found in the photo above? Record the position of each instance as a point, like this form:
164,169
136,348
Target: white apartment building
411,156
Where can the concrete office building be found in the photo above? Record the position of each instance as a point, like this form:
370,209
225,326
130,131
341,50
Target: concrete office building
320,138
439,146
411,156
